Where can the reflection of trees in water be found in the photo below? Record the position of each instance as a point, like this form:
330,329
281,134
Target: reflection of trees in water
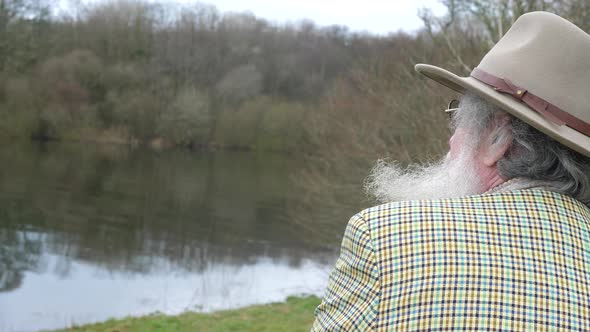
136,211
20,245
19,252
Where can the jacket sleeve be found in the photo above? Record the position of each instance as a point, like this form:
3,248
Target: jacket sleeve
351,299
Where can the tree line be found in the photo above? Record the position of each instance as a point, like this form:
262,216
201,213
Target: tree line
133,71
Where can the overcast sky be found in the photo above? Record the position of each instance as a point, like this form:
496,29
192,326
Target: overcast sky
377,16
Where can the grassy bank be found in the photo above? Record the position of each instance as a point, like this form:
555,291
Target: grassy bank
294,315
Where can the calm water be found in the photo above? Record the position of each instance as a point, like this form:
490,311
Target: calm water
91,232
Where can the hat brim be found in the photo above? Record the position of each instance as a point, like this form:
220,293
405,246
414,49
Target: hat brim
563,134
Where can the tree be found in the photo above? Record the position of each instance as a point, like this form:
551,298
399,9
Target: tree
22,24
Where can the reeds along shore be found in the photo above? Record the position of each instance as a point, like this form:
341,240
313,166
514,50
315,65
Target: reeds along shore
140,72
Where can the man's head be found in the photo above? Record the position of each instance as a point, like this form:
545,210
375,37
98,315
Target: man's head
488,147
537,72
532,121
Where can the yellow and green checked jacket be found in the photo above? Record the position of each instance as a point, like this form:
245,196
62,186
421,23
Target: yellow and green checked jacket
509,261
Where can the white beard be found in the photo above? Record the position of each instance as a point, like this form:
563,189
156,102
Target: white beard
446,178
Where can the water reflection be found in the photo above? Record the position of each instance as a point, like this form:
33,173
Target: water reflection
92,232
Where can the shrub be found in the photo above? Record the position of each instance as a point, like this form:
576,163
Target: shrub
73,79
238,128
128,83
19,115
239,84
124,76
136,110
263,123
281,127
188,120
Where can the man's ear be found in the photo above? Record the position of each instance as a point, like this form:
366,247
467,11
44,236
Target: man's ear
497,141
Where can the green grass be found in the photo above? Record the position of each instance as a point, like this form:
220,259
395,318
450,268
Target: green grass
293,316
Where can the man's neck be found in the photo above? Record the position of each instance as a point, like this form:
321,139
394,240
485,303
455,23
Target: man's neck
493,181
519,184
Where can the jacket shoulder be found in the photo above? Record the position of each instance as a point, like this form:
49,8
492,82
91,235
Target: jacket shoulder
507,204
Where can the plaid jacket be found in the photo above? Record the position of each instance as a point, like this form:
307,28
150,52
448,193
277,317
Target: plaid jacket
508,261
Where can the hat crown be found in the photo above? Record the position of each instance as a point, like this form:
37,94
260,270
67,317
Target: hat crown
548,56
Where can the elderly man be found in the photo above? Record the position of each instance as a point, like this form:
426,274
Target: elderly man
497,235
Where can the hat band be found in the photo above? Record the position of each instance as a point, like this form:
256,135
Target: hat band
538,104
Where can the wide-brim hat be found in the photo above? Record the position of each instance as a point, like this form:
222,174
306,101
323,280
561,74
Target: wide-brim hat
540,73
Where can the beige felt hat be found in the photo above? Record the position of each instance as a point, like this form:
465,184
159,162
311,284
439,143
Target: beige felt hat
539,72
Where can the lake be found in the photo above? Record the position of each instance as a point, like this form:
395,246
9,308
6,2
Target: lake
91,232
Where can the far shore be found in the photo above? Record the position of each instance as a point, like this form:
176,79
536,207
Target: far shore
156,144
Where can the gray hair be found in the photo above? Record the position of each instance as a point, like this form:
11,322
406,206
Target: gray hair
532,155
